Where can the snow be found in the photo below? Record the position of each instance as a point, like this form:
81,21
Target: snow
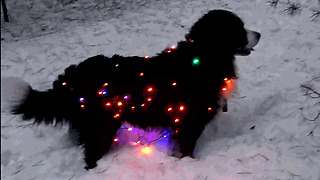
268,132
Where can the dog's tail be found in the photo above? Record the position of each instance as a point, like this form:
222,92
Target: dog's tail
48,106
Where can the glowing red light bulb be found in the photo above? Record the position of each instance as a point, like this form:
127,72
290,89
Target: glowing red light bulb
149,99
150,89
117,115
181,108
108,104
224,89
129,129
141,74
115,139
146,57
173,47
176,120
174,84
210,109
169,109
64,83
120,103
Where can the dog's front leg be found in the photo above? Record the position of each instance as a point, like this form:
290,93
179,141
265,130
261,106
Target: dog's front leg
190,130
188,139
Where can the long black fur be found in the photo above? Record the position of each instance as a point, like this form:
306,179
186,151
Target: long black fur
214,39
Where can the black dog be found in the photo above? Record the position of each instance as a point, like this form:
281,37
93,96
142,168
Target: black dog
180,88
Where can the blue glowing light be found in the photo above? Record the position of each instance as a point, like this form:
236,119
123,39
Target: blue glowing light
104,92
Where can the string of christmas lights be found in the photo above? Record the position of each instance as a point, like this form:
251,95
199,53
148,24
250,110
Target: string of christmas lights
141,138
165,134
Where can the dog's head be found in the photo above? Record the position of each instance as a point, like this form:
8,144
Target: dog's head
223,31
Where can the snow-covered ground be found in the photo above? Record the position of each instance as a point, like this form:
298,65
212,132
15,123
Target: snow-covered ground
272,128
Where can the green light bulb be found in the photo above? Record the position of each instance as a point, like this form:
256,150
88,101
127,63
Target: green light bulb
196,61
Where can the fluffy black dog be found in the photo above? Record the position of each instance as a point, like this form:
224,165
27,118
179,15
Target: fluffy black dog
179,88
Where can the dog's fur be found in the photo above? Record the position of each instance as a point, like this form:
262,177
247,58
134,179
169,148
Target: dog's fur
215,39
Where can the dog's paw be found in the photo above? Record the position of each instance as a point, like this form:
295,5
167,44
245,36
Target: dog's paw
90,166
91,162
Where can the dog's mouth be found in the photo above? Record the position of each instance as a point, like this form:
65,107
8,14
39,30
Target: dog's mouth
244,51
253,39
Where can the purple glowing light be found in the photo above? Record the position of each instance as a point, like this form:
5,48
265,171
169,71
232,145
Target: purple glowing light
81,99
126,97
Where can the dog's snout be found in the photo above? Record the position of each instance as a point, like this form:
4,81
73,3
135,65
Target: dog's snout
253,38
258,35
